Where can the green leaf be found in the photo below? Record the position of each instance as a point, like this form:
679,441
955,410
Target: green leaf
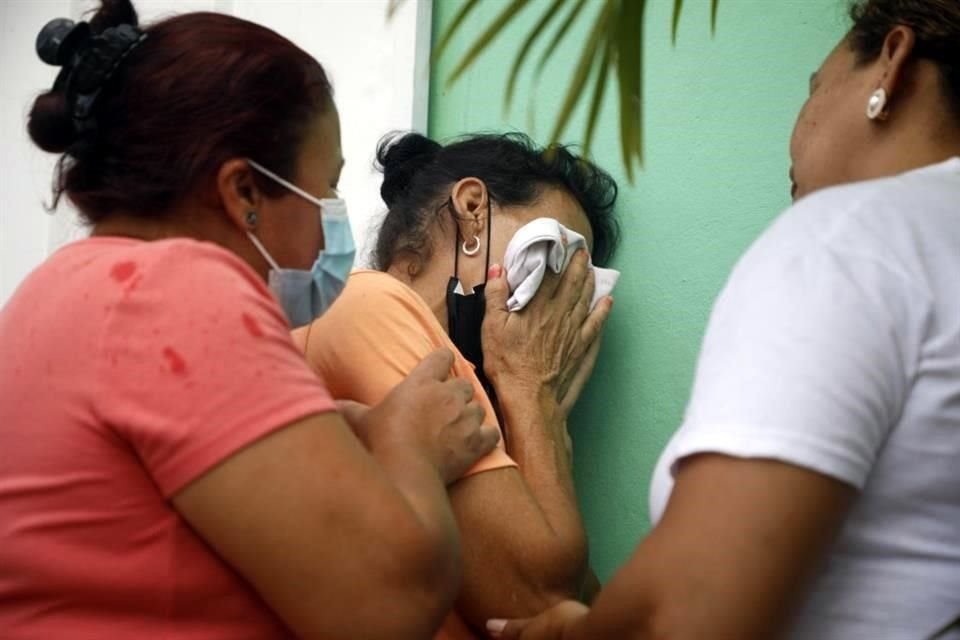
677,8
535,33
714,9
485,38
629,76
558,36
580,75
458,19
599,91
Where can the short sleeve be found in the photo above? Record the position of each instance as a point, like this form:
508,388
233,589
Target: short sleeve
196,361
373,336
808,359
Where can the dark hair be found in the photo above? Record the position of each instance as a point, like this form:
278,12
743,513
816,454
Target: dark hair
200,89
418,171
937,27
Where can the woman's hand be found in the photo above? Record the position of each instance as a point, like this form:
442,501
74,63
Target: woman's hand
429,413
557,623
552,344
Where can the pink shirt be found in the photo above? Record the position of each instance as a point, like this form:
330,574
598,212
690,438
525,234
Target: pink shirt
127,370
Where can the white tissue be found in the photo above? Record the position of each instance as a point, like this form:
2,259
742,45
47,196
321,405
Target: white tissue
546,244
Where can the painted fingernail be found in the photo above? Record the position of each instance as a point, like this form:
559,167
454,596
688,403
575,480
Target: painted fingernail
494,272
610,298
496,627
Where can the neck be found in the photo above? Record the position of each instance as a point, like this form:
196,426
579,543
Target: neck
908,150
430,284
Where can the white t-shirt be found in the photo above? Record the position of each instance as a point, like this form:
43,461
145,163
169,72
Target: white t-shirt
835,346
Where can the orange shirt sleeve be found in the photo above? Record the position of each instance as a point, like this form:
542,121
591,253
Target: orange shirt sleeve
373,336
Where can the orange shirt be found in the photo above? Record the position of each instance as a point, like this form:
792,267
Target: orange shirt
127,370
375,333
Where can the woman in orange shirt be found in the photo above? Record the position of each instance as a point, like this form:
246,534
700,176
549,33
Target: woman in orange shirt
452,211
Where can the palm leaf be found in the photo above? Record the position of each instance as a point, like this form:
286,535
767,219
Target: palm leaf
535,33
629,69
677,8
485,38
558,36
458,19
599,91
620,45
582,72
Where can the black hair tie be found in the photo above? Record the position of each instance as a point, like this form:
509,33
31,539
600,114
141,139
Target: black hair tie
89,61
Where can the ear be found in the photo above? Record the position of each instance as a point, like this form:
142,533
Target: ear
896,53
469,197
238,192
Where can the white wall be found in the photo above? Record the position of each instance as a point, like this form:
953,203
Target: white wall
379,71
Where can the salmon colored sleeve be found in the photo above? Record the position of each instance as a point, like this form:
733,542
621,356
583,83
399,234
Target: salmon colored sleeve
373,336
196,362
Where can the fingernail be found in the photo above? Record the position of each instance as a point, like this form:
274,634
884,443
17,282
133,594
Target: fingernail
610,298
496,627
494,272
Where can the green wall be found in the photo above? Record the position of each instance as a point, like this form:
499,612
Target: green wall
718,116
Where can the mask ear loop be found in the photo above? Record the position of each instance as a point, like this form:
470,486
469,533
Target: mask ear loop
456,239
486,271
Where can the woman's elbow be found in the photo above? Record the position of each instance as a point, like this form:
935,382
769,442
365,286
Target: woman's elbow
420,589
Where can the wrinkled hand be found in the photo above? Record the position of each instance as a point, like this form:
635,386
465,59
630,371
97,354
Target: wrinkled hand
553,342
431,413
560,622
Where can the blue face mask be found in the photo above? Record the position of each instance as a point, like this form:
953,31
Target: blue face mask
304,295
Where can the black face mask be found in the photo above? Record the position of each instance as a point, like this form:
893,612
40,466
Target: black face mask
465,311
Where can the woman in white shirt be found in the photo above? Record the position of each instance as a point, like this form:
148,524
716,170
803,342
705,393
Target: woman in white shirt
813,490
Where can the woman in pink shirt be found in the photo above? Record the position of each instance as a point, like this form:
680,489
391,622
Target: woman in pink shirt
169,465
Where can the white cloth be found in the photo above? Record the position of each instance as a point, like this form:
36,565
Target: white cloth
545,244
835,346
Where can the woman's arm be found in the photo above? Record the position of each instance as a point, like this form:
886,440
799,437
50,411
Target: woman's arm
340,543
524,543
730,559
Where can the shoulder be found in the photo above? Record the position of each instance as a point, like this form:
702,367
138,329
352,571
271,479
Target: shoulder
368,286
375,310
375,298
873,218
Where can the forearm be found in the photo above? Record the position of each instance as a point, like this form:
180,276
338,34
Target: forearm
536,440
439,550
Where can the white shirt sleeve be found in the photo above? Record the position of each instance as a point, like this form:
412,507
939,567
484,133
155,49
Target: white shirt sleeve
808,359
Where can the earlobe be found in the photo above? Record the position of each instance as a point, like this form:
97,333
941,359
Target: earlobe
238,193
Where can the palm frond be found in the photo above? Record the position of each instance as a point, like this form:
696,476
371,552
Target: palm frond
599,91
616,40
677,9
485,38
629,81
582,72
559,35
535,33
458,19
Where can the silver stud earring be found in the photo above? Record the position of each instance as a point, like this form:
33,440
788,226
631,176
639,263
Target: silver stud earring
251,219
876,104
472,250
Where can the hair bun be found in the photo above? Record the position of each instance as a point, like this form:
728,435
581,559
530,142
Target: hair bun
401,157
50,124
